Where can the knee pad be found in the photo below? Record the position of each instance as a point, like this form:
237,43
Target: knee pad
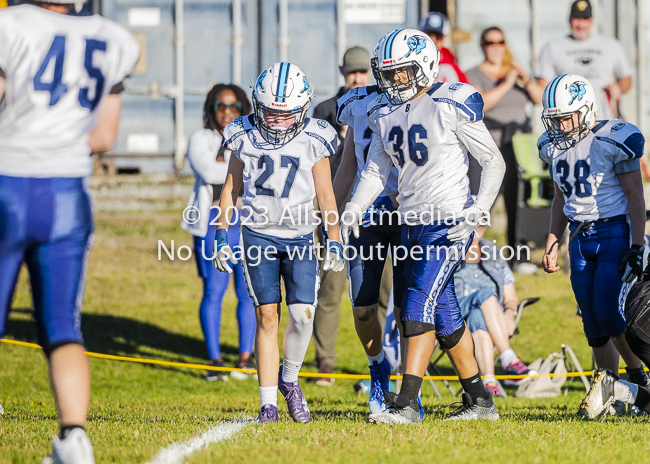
302,314
365,313
598,341
447,342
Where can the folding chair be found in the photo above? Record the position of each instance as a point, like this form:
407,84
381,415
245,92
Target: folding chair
533,209
438,353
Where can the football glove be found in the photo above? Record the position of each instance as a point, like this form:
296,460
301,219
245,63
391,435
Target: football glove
223,255
462,230
334,259
632,264
350,220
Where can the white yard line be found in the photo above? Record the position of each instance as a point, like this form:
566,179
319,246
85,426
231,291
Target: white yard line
177,452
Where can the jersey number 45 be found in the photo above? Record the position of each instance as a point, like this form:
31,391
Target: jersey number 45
56,87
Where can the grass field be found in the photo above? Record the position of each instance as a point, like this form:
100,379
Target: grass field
136,305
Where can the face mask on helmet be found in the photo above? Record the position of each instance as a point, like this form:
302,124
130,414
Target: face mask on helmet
276,126
566,129
400,83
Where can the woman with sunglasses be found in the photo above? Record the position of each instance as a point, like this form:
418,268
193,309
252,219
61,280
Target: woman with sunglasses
506,88
209,161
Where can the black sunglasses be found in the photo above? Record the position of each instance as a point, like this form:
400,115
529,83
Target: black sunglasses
223,107
500,42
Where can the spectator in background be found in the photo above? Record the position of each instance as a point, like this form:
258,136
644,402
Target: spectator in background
506,89
356,71
597,57
209,161
436,26
485,288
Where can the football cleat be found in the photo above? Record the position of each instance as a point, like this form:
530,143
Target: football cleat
268,414
379,386
214,376
484,409
248,364
600,399
400,410
298,408
75,448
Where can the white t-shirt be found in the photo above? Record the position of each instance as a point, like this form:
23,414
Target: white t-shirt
428,140
587,172
58,68
599,59
278,182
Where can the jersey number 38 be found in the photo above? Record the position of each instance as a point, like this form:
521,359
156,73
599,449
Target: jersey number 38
57,88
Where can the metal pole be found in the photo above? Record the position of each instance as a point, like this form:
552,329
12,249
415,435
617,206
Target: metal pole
237,42
341,37
283,39
534,31
179,107
640,66
424,8
534,48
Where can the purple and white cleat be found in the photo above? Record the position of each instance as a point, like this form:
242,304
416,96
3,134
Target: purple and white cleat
298,408
268,414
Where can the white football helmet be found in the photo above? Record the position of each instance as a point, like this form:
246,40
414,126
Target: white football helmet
281,91
563,97
78,4
405,62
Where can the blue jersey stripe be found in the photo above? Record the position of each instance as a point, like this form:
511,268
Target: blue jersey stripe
389,44
551,92
282,82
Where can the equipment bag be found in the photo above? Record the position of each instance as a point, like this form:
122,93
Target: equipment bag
544,387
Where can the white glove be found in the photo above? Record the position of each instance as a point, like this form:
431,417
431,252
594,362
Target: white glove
350,220
334,259
223,255
462,230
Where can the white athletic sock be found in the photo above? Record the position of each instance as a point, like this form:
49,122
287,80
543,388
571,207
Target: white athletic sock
625,391
507,357
489,379
269,395
378,359
290,370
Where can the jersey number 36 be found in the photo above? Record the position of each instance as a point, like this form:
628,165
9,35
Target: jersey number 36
56,87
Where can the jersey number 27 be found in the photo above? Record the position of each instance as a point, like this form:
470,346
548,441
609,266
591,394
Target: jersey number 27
56,87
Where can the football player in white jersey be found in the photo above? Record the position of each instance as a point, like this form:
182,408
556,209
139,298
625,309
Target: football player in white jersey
426,131
61,75
281,158
381,231
598,190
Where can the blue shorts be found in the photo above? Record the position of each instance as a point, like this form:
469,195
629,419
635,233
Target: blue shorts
267,258
596,251
367,267
46,223
470,308
430,299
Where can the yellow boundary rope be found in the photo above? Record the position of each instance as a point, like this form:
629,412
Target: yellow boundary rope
302,374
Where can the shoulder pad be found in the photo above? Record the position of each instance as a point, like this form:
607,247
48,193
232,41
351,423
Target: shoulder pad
545,147
378,102
322,131
621,134
237,127
352,95
460,95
